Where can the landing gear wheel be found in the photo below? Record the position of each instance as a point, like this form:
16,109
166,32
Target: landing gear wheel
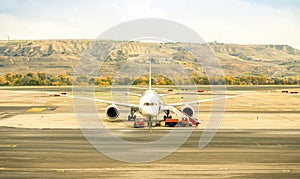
131,115
133,118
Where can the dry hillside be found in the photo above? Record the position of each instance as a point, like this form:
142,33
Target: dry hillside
61,56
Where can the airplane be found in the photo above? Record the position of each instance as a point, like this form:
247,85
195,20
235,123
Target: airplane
151,105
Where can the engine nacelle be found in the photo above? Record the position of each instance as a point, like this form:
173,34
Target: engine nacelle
112,112
188,110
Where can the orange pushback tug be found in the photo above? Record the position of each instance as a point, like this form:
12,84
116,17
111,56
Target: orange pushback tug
171,122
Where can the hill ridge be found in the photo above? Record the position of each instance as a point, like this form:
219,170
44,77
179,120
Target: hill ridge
56,56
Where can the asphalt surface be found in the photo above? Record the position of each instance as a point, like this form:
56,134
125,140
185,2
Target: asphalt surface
65,153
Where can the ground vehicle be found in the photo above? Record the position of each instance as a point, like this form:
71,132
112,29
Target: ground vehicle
170,122
184,122
139,123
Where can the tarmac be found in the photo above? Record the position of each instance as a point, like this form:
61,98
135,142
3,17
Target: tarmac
65,153
40,138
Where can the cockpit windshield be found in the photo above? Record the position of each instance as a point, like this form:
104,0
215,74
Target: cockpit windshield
149,104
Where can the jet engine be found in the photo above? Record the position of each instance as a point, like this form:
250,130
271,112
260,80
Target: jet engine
188,110
112,112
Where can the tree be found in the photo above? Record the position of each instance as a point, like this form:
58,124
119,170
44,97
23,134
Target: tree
42,76
9,77
229,80
3,81
16,82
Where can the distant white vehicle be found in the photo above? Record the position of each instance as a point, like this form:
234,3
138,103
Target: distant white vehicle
151,105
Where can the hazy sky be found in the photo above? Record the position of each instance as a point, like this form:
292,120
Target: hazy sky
229,21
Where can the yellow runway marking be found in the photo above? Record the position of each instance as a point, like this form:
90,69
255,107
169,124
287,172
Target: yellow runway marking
36,110
8,145
150,129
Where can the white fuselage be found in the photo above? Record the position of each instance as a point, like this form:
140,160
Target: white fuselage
150,104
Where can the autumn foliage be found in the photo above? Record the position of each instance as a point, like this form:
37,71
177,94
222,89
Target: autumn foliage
43,79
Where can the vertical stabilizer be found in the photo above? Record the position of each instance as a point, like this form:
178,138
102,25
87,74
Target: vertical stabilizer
150,80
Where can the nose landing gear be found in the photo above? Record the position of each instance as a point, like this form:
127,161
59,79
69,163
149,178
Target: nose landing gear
150,125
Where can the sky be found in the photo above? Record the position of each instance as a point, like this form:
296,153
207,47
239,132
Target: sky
227,21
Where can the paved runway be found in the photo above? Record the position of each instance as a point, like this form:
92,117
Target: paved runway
65,153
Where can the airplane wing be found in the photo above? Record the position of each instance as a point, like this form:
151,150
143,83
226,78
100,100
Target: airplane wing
107,102
134,94
167,94
201,101
174,93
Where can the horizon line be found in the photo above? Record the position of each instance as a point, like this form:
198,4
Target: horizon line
215,42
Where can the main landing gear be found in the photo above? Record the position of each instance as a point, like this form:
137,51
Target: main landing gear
167,114
131,116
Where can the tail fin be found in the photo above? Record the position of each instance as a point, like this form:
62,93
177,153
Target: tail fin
150,80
